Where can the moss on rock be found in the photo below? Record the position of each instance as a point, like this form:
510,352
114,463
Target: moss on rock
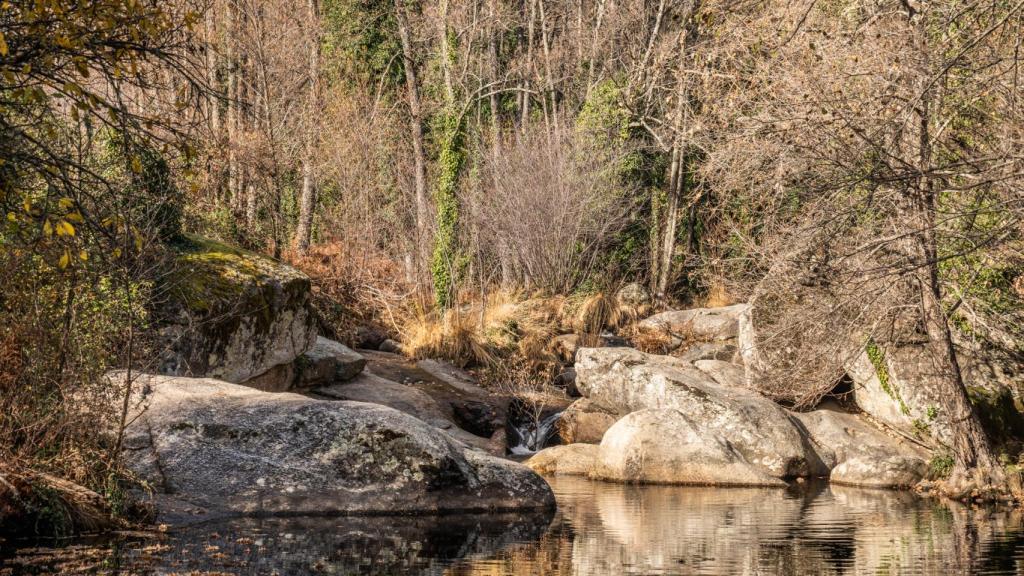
234,314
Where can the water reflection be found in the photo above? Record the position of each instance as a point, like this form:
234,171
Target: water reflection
817,529
599,529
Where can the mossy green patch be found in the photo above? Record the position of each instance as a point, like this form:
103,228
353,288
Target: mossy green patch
220,288
209,274
877,358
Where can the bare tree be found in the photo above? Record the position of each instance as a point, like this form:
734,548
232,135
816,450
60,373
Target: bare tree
307,199
870,143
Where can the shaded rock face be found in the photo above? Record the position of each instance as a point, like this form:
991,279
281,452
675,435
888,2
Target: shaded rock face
323,364
624,380
898,386
666,447
855,453
212,448
234,315
369,337
326,362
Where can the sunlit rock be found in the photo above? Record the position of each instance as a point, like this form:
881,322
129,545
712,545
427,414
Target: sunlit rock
667,447
700,324
859,454
568,460
626,380
210,448
585,421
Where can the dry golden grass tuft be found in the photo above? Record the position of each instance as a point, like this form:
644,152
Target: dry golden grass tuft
453,336
484,333
599,312
651,342
717,296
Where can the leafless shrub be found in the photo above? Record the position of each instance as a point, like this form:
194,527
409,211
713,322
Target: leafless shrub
553,204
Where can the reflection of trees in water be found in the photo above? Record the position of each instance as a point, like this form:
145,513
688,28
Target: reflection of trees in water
605,529
819,529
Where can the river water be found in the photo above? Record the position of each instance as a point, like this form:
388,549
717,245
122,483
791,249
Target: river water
599,529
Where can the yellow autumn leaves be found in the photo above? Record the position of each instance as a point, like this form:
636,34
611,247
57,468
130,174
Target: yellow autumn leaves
58,225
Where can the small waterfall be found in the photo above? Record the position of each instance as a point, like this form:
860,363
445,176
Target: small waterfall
531,436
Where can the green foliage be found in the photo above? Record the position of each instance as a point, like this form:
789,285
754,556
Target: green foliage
445,263
877,358
602,116
361,41
604,124
143,177
940,466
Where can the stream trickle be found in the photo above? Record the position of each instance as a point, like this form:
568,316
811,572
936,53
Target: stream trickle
532,435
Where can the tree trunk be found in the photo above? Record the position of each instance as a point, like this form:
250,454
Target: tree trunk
416,131
492,54
234,181
212,105
975,465
668,239
307,201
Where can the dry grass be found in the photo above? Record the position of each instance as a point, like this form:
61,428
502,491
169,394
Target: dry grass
453,336
603,311
717,296
651,342
354,285
482,334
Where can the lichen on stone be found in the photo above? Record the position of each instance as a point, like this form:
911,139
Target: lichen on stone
232,313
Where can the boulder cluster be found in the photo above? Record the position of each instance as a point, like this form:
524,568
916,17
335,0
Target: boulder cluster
692,418
254,414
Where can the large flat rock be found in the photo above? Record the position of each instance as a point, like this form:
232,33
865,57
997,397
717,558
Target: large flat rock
210,448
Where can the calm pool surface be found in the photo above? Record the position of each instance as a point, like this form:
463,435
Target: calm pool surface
599,529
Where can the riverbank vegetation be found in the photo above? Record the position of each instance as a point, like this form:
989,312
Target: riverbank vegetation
471,178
